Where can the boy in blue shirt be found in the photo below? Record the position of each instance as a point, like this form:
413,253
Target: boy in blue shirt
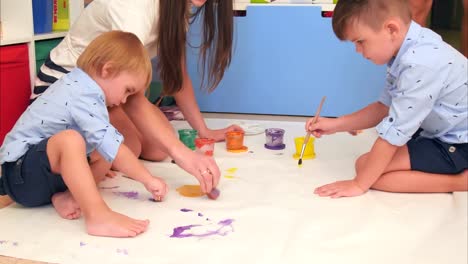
421,116
64,142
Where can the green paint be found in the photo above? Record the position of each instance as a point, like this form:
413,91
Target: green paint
187,136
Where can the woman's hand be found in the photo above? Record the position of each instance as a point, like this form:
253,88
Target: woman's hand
218,134
204,168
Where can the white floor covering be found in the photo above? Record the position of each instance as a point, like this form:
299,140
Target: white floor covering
276,217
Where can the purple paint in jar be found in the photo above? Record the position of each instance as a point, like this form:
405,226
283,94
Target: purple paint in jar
274,138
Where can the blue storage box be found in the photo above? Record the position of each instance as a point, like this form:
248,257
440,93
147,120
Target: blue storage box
42,16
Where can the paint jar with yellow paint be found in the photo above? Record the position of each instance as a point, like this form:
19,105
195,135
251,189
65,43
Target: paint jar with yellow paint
309,152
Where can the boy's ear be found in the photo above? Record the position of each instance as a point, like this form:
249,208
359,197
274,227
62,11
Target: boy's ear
392,27
106,70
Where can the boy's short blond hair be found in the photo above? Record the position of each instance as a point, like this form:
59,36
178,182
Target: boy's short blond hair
123,50
371,12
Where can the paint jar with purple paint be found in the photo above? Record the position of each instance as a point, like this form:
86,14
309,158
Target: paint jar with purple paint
274,138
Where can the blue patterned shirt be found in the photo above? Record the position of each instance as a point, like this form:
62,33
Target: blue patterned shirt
73,102
426,88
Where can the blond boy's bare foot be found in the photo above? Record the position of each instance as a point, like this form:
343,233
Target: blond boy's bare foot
66,206
112,224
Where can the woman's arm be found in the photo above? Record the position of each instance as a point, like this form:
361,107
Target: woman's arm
187,103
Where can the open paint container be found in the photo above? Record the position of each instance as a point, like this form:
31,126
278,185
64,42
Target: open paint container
274,138
235,141
205,146
187,136
308,151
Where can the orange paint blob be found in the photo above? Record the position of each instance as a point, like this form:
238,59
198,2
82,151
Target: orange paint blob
190,191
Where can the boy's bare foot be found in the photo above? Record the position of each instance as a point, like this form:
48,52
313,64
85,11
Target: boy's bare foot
66,206
112,224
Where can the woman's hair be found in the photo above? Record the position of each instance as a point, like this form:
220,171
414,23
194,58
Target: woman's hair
215,49
371,12
122,50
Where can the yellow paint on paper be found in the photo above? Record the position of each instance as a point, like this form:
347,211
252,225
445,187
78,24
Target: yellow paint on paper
231,170
229,176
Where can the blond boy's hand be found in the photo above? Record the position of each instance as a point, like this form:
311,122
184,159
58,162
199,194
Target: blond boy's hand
340,189
157,187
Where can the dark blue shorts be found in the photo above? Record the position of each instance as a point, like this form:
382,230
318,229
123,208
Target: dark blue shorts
434,156
29,181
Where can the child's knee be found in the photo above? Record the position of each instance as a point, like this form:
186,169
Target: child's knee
360,162
69,139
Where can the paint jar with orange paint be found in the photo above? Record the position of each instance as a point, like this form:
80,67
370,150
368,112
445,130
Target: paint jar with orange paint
205,146
235,141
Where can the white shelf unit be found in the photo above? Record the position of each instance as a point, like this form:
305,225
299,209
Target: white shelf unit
16,18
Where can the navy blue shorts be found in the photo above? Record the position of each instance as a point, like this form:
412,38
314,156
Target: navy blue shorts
434,156
29,181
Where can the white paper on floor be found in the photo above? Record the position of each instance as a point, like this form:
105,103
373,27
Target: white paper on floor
275,216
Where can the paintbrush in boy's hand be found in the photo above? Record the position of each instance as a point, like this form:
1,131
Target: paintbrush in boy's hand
306,139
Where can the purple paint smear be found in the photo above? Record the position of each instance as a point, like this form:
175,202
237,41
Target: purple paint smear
108,188
82,244
200,214
180,232
15,244
186,210
122,251
130,195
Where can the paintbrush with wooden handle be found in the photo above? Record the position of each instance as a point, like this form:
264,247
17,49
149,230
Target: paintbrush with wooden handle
306,139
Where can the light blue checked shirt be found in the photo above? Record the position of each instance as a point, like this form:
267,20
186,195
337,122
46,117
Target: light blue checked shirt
73,102
426,88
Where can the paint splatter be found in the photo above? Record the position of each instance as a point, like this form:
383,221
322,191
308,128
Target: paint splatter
108,188
225,227
154,200
231,170
186,210
200,214
82,244
229,176
3,242
122,251
130,195
15,244
190,191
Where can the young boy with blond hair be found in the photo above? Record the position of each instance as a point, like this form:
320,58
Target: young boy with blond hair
64,142
421,116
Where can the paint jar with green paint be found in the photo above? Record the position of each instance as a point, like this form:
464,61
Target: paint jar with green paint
187,136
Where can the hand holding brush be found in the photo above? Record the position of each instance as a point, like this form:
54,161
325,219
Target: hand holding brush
306,139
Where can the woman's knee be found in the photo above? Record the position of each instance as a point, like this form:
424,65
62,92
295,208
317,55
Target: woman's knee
125,126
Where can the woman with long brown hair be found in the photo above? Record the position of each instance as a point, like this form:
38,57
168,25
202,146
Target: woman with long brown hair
162,27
